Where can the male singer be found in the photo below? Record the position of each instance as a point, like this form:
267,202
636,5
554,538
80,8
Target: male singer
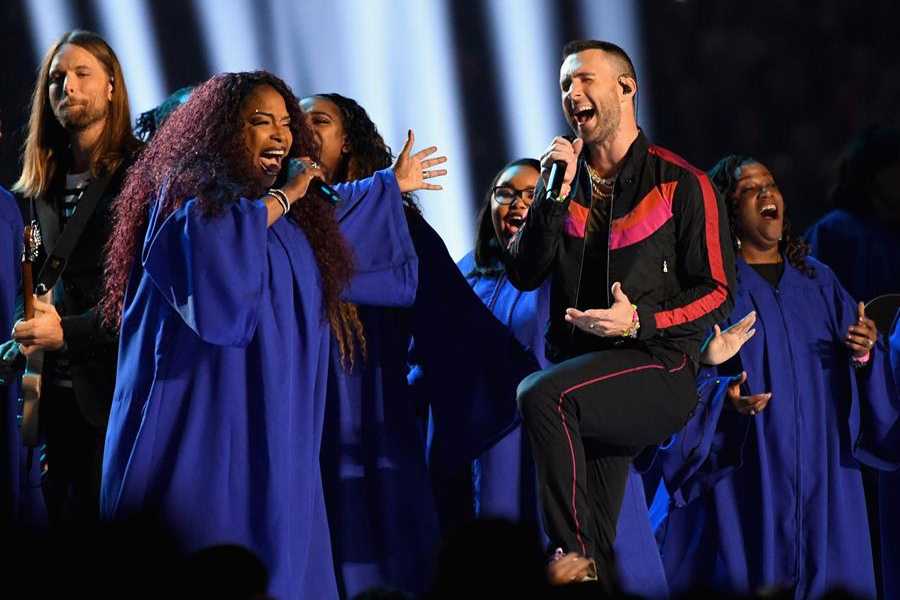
636,242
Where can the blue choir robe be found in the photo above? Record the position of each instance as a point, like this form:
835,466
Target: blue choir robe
383,522
216,422
861,251
11,237
889,494
777,499
504,476
377,486
21,502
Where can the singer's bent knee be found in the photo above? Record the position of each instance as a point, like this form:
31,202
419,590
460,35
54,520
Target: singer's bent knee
535,394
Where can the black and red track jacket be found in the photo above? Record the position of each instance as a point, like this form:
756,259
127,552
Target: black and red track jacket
668,244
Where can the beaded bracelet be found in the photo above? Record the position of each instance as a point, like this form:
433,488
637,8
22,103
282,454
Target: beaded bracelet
632,330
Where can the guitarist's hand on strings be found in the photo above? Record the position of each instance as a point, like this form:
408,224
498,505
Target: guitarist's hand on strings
43,332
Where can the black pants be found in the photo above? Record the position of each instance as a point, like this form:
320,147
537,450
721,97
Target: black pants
586,419
74,458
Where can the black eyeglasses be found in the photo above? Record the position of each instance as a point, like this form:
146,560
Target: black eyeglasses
506,195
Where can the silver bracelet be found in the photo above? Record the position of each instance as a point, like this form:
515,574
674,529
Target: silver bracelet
278,200
282,199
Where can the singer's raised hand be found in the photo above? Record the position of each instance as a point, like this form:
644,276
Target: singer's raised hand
862,335
411,170
564,150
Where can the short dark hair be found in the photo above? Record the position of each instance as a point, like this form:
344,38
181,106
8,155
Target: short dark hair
576,46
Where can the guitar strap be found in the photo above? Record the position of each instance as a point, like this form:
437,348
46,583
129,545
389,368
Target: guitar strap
58,255
57,258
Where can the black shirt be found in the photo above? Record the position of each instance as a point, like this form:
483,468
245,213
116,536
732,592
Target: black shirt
771,272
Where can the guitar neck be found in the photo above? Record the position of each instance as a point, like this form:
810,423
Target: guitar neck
28,278
28,290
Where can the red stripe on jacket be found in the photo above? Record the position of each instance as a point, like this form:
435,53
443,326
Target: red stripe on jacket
652,212
576,220
708,302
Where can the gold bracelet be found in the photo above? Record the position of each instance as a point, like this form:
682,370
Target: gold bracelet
632,330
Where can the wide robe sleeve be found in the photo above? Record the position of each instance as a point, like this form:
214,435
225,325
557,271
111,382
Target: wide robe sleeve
469,363
874,418
373,222
211,269
709,446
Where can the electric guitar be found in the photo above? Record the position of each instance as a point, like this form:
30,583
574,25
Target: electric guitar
31,378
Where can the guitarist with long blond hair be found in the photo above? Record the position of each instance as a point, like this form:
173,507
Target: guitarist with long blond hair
78,146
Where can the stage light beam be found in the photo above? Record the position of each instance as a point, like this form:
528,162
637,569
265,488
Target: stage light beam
127,27
48,20
528,67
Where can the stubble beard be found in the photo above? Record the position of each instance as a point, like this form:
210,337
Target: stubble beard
609,116
80,117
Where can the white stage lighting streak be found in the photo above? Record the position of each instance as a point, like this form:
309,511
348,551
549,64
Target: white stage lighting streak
288,60
127,27
319,55
528,59
229,34
396,59
346,49
426,97
48,20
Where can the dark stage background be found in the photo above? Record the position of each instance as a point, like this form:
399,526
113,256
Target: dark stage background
789,83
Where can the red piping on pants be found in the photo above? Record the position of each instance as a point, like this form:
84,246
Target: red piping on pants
569,436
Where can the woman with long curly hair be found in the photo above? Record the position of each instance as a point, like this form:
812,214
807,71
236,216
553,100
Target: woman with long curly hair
373,456
809,406
229,276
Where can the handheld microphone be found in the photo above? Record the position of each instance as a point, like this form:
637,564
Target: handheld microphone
325,190
316,185
555,179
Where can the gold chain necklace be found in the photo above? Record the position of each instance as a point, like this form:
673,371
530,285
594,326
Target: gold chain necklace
600,186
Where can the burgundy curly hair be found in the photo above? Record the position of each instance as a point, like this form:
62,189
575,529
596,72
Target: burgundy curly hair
200,152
